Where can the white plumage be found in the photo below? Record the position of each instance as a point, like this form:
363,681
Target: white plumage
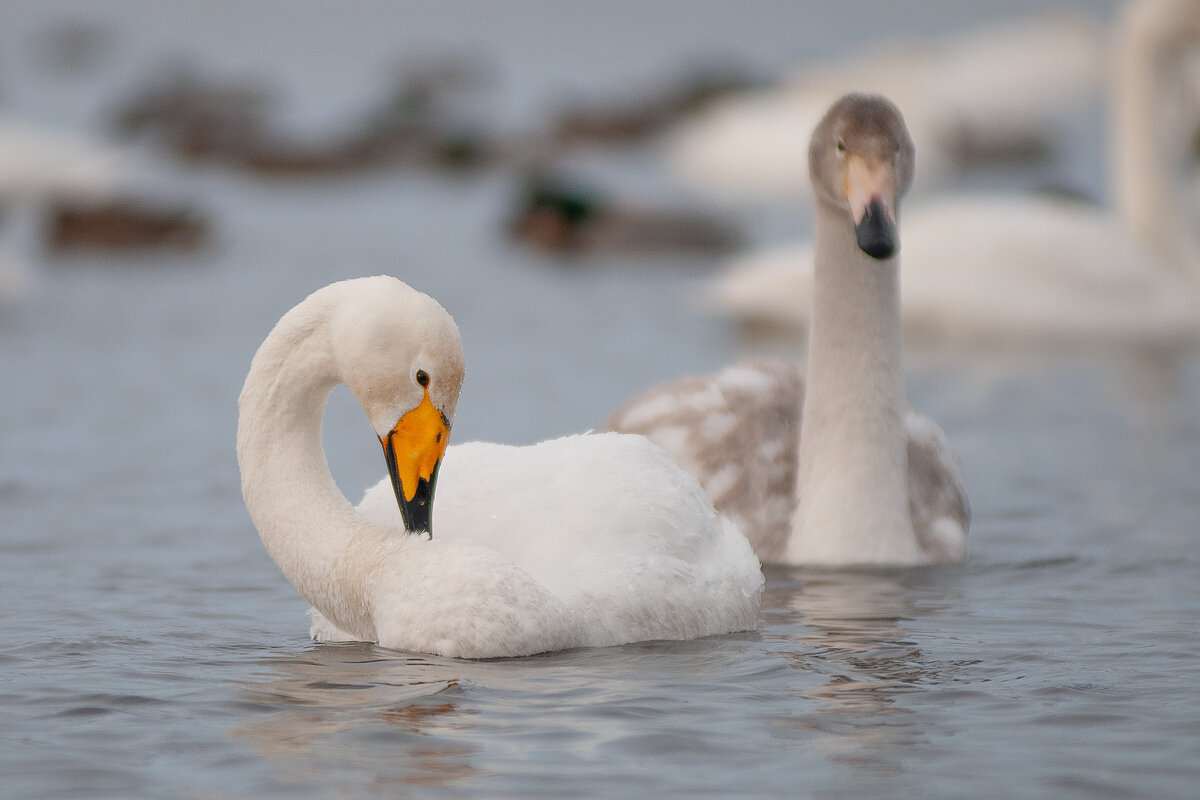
589,540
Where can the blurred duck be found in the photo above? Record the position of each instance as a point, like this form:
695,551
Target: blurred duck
1050,269
1002,91
836,471
584,541
199,118
565,216
125,223
649,111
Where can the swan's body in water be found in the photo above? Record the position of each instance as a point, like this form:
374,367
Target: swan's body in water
839,472
589,540
1050,269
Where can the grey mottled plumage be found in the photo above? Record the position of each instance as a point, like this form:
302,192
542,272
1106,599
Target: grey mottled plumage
738,432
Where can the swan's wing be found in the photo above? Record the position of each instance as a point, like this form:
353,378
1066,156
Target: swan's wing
736,432
606,527
937,499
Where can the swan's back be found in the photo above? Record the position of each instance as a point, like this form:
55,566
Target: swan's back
1040,268
607,525
738,432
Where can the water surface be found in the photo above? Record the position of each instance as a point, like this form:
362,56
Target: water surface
152,649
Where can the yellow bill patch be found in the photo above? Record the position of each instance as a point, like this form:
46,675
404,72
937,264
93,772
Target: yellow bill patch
418,443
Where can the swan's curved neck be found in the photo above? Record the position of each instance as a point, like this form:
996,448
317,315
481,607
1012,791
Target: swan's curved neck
853,483
1151,139
307,525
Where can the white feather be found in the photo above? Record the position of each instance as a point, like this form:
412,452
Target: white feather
589,540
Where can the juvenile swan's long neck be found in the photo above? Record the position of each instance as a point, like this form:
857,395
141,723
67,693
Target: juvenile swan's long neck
305,522
853,484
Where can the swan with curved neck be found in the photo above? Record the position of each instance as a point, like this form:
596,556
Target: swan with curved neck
589,540
1049,269
838,472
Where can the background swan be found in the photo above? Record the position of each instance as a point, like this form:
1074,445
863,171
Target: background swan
841,471
584,541
961,96
37,162
992,267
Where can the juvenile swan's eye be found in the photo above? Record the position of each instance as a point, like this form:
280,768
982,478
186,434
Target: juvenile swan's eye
841,146
422,377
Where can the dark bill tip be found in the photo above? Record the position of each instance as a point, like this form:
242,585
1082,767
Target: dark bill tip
876,232
418,512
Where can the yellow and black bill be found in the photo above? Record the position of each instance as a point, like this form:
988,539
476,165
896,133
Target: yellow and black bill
414,450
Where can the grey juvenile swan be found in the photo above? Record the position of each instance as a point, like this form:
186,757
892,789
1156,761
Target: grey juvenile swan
837,471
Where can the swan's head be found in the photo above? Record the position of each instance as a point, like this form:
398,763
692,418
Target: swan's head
400,353
860,159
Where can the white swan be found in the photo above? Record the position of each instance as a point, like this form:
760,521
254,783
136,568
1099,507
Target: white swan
861,479
1044,269
589,540
38,162
963,95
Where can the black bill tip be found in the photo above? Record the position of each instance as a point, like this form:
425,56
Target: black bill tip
876,231
417,513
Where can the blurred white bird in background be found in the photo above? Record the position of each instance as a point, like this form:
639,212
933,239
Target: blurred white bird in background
1014,267
39,163
1006,88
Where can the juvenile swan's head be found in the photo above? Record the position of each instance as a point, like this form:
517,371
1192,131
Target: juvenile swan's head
860,159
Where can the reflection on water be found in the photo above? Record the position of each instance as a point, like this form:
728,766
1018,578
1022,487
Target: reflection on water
328,701
849,627
358,715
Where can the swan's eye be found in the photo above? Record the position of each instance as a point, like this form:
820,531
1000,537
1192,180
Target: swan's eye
841,146
422,377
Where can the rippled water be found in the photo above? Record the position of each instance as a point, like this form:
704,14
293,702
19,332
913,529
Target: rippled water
152,649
